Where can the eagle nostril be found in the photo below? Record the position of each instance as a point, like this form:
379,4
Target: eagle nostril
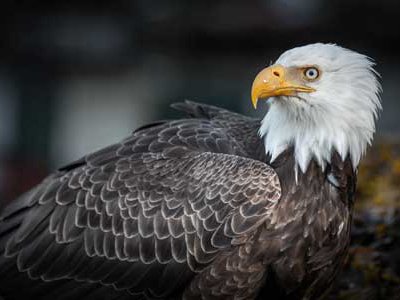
276,73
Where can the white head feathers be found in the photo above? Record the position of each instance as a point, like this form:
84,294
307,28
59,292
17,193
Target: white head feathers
339,116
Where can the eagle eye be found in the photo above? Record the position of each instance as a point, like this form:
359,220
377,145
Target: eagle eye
311,73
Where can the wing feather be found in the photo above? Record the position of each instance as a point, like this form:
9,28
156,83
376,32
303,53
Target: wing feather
160,205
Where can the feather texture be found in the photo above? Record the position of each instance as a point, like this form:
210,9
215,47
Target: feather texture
184,209
158,207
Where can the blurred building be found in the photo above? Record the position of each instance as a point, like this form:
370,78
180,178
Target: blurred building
78,75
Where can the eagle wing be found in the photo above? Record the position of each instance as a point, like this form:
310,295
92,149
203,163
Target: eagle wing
141,217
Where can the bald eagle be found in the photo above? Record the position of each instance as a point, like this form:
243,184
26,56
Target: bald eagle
214,206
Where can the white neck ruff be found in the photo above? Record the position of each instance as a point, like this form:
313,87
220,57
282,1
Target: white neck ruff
316,134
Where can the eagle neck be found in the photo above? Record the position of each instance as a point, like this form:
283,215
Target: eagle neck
312,137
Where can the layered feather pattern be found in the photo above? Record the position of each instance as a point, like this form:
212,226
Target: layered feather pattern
144,216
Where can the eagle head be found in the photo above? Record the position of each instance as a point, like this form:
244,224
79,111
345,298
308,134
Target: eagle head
322,98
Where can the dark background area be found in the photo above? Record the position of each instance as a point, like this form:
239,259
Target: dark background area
79,75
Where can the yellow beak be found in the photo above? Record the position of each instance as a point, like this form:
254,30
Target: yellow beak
275,81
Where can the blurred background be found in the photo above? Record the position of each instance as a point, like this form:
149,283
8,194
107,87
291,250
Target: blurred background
79,75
